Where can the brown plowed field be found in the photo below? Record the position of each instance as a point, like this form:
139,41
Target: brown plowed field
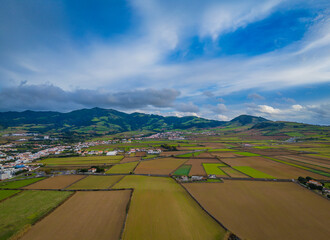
275,169
205,155
86,215
140,154
197,167
265,210
161,166
57,182
130,159
308,160
225,154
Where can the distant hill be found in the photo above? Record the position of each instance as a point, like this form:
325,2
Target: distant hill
98,120
247,119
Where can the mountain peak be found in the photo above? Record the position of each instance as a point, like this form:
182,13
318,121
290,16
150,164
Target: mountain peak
247,119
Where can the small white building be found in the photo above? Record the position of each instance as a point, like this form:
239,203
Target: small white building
112,153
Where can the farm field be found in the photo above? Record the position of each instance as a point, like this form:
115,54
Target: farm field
57,182
275,169
171,212
214,168
182,171
163,166
205,155
96,182
316,163
197,167
123,168
19,183
170,153
265,210
7,193
233,173
130,159
225,154
90,160
252,172
25,208
86,215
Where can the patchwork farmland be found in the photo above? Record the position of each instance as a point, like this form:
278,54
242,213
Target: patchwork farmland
266,204
204,190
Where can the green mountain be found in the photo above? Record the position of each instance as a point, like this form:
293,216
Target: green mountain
99,121
247,119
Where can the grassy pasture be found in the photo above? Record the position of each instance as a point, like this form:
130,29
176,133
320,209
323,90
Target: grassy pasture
232,172
214,168
247,154
19,183
86,215
159,166
183,170
149,156
252,172
197,167
7,193
26,208
57,182
221,150
90,160
265,210
170,213
122,168
96,182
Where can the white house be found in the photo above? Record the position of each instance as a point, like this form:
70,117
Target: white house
112,153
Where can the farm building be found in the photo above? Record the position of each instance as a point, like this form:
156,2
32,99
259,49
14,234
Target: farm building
112,153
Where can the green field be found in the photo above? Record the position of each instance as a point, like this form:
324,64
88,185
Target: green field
96,182
222,150
161,209
20,183
183,170
188,155
123,168
248,154
150,156
7,193
213,168
90,160
252,172
26,208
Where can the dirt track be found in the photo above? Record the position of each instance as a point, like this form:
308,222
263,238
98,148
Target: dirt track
86,215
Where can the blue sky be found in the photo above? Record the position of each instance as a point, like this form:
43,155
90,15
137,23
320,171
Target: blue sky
214,59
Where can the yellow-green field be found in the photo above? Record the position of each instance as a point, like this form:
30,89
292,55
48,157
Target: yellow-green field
162,209
96,182
90,160
123,168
